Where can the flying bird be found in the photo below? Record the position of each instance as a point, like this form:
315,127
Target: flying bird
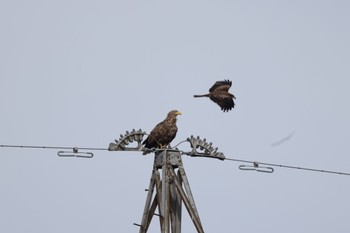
283,139
163,133
219,94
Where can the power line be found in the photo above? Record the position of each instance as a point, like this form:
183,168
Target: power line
73,153
53,147
255,165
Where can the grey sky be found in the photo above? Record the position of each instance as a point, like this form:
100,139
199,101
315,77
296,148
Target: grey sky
80,73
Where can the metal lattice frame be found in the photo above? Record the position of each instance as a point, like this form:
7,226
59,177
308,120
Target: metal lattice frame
171,190
168,190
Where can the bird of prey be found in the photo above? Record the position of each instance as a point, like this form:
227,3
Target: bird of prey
163,133
219,94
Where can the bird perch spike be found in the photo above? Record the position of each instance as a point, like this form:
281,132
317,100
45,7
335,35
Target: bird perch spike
206,149
124,140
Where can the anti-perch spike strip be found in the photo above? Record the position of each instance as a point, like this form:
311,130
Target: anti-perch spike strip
206,148
126,139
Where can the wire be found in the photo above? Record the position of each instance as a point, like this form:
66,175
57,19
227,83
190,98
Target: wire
288,166
180,143
52,147
254,163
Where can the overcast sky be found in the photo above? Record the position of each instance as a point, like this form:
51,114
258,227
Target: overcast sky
80,73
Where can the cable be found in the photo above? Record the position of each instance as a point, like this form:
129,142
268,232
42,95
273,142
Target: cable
288,166
52,147
254,163
180,143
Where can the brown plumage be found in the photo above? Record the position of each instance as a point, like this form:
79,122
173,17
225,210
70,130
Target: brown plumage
219,94
163,133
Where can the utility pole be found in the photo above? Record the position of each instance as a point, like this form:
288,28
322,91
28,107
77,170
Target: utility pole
171,191
170,188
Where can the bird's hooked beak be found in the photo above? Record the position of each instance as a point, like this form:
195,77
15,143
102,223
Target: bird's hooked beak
178,113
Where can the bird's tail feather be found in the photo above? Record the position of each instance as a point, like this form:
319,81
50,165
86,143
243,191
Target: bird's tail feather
205,95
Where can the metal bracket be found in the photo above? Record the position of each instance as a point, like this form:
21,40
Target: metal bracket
124,140
174,158
207,148
75,153
256,167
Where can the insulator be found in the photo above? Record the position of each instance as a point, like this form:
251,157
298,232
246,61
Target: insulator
121,145
138,137
128,138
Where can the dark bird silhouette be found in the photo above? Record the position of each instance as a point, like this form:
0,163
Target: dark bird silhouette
283,139
219,94
163,133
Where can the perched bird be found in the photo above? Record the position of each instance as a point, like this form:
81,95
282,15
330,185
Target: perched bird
163,133
219,94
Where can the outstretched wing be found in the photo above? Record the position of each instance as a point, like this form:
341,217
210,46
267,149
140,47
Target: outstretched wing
221,86
223,99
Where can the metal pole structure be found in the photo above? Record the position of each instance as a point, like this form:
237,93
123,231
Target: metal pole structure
167,191
170,195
